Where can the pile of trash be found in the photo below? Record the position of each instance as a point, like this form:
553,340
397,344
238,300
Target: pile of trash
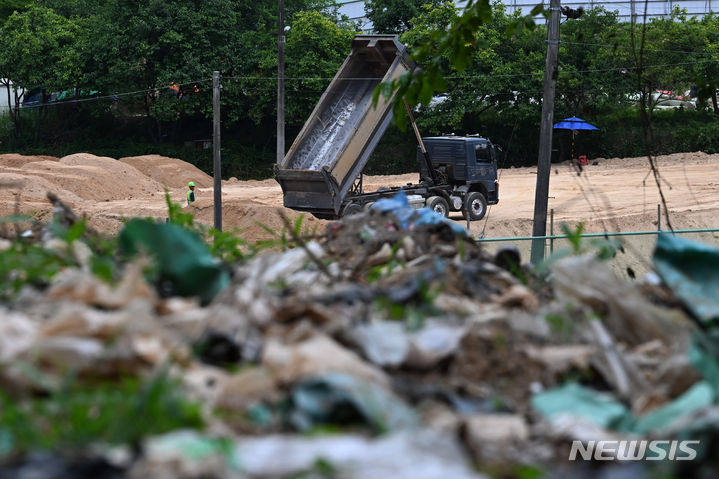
392,345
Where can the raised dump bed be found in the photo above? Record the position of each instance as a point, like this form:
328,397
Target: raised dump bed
337,140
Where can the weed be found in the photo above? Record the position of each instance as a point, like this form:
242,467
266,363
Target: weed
603,248
29,264
560,325
78,416
574,236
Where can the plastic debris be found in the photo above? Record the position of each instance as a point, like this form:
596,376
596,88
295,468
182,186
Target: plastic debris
186,455
691,270
185,265
340,399
385,343
315,356
575,400
408,216
406,455
392,345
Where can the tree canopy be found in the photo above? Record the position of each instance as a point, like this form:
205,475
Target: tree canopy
396,16
150,63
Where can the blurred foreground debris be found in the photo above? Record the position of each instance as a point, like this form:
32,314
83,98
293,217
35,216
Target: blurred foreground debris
392,346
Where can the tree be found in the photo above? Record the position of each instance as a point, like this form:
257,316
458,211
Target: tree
458,41
147,46
593,62
254,89
316,48
8,7
37,51
395,16
502,76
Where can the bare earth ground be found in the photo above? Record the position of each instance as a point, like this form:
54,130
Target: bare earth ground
615,195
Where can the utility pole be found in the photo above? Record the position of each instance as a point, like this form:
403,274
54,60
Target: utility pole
216,159
280,81
544,166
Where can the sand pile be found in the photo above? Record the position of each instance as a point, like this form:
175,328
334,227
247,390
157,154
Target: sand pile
13,160
254,220
691,158
35,187
94,178
169,172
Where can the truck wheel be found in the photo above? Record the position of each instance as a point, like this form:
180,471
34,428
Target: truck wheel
438,205
351,209
475,206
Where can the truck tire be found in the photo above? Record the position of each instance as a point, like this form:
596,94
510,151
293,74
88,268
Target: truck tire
475,206
438,205
351,209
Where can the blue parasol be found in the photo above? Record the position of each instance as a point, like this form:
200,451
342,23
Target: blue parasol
574,124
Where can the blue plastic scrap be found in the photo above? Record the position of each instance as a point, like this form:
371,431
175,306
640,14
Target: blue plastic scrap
409,217
606,412
572,398
691,270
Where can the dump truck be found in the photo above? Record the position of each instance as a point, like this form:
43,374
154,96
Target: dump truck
322,171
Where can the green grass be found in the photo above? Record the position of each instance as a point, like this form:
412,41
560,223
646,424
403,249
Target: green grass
76,416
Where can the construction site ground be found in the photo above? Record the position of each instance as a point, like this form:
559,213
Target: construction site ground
618,194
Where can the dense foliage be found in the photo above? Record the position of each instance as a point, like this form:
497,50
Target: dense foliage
136,77
395,16
488,67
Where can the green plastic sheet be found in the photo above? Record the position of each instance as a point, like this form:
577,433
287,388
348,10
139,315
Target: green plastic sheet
183,259
691,270
606,412
572,398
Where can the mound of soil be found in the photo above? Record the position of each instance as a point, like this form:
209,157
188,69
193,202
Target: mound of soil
13,160
254,220
169,172
95,178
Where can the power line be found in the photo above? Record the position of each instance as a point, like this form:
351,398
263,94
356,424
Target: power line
115,96
561,72
626,47
488,75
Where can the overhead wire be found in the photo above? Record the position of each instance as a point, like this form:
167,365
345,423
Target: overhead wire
114,96
627,47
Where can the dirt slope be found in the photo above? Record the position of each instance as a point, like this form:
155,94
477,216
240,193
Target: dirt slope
169,172
617,194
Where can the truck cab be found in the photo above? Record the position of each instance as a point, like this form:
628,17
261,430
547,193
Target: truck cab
468,163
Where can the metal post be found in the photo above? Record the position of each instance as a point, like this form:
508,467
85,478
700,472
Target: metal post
280,81
659,217
551,231
539,227
216,159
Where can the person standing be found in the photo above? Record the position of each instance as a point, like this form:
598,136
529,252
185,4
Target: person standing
191,193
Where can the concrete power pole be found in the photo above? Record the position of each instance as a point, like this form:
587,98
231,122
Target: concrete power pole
280,81
216,159
544,166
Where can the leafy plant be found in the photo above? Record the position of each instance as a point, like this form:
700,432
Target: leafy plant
177,216
29,264
415,312
603,248
574,236
76,416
